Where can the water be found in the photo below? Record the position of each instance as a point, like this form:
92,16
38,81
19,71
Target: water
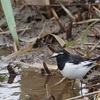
34,85
9,91
31,84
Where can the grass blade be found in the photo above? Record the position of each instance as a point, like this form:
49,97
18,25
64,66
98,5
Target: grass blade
70,43
7,7
84,36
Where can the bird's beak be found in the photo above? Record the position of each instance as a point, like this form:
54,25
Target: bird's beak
53,56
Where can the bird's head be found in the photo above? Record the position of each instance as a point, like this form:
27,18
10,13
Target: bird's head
60,53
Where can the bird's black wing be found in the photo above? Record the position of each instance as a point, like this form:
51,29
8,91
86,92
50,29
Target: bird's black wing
76,59
96,59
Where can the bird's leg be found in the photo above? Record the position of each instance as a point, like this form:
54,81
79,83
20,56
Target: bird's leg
81,87
73,84
81,90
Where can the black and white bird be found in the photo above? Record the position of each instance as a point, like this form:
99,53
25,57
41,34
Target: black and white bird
73,66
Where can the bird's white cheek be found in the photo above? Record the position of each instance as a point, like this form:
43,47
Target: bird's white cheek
55,54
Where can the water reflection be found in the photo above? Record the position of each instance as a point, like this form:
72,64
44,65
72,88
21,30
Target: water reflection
33,86
9,91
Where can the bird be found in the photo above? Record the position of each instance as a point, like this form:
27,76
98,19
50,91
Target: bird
73,66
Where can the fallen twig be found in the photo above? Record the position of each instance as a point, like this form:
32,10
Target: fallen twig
95,31
26,28
46,69
95,46
86,21
96,9
67,11
88,94
37,65
98,96
94,85
8,32
57,19
65,4
59,82
90,46
34,38
79,52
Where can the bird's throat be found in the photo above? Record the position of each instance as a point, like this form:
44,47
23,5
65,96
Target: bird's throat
61,64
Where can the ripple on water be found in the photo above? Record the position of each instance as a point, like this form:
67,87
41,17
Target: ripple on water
10,91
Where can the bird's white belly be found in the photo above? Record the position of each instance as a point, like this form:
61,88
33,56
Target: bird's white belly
75,71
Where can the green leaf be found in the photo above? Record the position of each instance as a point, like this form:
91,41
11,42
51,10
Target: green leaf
8,11
70,43
62,42
84,36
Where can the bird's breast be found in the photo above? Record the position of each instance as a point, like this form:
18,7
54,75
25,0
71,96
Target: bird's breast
73,71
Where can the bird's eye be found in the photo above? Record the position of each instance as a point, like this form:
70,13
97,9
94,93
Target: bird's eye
61,53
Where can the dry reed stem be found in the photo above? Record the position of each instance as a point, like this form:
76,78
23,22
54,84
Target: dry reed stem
95,46
88,94
8,32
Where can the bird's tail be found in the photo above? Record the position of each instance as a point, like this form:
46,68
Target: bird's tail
96,59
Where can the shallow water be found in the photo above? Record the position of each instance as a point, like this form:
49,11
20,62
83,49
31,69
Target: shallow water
9,91
34,84
31,85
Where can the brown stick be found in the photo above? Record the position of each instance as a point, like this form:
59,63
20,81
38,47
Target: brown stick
68,12
26,28
95,46
57,19
86,21
48,8
69,31
90,46
37,65
88,94
65,4
8,32
46,69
